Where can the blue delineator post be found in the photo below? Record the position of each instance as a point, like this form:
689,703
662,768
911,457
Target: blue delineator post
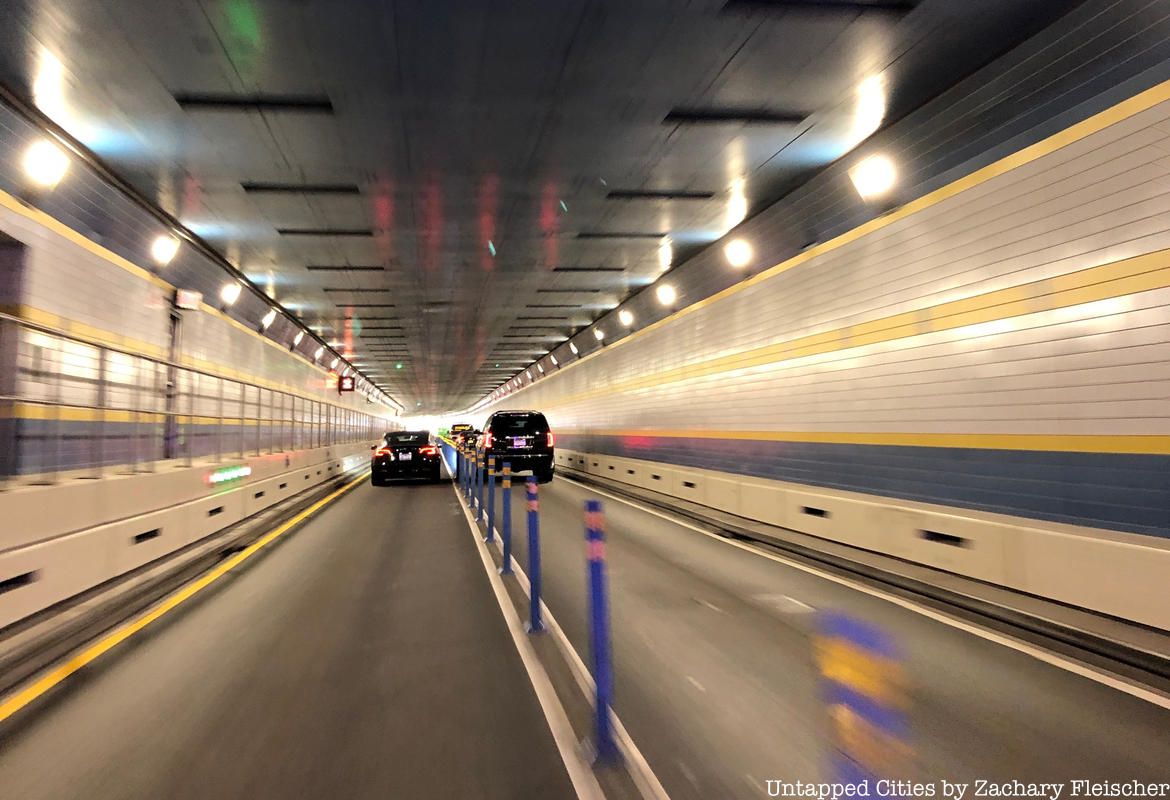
479,487
506,532
491,501
599,629
535,624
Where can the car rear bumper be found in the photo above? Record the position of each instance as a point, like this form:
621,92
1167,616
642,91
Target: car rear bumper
404,470
523,462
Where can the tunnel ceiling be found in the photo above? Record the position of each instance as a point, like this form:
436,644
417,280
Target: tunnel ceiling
452,186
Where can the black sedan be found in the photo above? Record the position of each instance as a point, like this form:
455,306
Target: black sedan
405,454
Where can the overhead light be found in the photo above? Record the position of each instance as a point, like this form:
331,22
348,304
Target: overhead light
336,361
541,368
528,372
163,249
268,319
398,365
666,294
626,317
738,253
665,254
45,163
873,176
573,347
492,247
230,293
297,339
598,334
320,352
554,360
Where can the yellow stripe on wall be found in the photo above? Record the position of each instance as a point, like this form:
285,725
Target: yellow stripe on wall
1108,281
1060,443
1075,133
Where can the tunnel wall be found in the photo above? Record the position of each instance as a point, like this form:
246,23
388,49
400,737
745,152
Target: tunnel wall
88,495
996,351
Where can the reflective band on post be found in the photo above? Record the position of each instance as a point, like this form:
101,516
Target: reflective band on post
506,533
491,503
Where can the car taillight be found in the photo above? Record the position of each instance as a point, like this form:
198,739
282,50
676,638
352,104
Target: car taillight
551,439
382,451
429,450
487,439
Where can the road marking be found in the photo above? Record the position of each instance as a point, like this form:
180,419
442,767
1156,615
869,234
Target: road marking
696,684
785,603
1076,668
644,778
30,691
711,606
580,775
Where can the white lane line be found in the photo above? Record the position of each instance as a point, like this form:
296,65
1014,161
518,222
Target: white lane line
711,606
1076,668
644,778
580,774
696,684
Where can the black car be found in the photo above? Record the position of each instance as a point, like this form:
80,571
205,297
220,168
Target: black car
523,439
405,454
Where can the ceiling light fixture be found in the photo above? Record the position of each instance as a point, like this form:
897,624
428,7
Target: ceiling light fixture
230,293
45,164
666,294
573,347
163,249
874,176
297,339
598,334
738,253
320,352
268,319
626,317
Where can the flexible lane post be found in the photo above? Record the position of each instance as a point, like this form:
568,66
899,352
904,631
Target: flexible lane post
599,630
535,624
491,501
506,532
479,486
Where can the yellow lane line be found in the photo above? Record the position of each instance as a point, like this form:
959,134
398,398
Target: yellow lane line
36,687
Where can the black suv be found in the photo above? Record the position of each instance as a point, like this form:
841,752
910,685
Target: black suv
404,454
523,439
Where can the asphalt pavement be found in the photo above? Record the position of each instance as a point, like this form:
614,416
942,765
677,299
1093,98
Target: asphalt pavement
363,656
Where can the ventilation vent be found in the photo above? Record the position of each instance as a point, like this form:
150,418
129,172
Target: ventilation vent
297,103
657,194
17,581
739,116
215,511
589,269
325,231
345,268
620,235
814,512
944,538
300,188
824,6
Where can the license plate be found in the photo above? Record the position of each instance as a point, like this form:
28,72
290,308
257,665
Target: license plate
405,456
520,441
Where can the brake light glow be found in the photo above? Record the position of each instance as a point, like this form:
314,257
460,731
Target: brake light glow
551,439
382,451
429,450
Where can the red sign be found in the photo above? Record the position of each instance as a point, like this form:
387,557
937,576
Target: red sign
346,384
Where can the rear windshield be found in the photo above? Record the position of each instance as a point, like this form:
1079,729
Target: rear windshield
416,437
519,424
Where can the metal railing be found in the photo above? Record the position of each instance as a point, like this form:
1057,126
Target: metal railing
78,408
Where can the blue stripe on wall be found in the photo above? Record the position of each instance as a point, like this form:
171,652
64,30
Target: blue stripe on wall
1103,490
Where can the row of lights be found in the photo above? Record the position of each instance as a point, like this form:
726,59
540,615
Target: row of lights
873,177
45,165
